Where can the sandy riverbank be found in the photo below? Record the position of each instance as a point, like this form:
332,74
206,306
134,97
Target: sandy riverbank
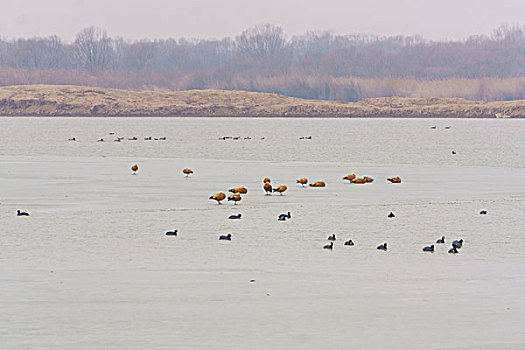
62,100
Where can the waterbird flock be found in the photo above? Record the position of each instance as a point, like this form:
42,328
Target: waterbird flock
457,244
236,138
122,138
236,197
269,189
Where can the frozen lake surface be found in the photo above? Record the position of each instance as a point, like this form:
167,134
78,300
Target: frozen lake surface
92,268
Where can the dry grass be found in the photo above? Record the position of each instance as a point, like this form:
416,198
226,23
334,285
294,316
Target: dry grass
298,84
64,100
486,89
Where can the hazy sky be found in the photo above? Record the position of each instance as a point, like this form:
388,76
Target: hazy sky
134,19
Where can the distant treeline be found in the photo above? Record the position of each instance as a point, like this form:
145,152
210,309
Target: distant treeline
313,65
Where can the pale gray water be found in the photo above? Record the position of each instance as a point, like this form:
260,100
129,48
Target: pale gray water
92,268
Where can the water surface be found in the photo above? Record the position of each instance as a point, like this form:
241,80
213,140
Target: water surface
92,268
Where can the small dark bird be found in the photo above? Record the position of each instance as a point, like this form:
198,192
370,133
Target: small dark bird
441,240
172,233
134,138
233,217
453,250
228,237
21,213
429,249
286,216
112,133
432,127
382,247
458,244
391,215
349,242
100,140
329,246
331,237
147,138
453,152
483,212
163,138
447,127
72,139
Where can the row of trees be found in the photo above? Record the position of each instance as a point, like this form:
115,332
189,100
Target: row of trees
262,58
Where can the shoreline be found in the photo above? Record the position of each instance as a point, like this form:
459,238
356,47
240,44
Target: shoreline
251,116
80,101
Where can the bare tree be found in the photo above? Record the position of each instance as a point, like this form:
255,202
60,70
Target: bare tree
509,33
43,53
93,49
262,41
55,53
138,55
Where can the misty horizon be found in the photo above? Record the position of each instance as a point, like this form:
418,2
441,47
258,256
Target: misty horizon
203,19
361,35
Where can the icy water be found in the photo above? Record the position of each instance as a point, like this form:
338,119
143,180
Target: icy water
91,268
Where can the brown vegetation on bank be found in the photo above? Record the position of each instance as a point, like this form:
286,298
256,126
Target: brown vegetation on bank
59,100
348,89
